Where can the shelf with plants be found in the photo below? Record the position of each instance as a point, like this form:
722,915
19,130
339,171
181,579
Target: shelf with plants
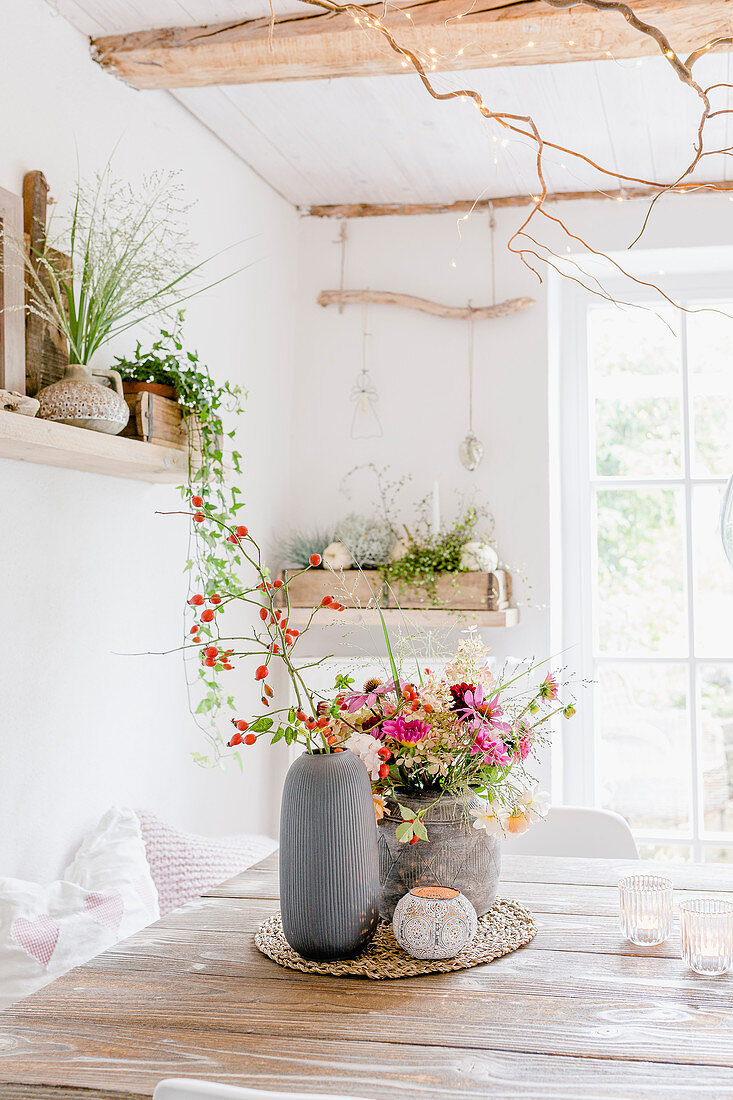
30,439
434,571
432,617
121,259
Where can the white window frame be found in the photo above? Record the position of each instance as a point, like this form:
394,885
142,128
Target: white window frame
573,536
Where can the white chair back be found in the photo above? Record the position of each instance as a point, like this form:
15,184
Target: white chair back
178,1088
576,831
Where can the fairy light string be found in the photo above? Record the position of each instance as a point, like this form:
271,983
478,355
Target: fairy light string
522,242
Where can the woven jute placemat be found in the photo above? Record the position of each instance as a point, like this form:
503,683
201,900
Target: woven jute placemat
507,926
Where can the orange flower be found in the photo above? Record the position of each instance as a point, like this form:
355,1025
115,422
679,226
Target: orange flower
517,824
380,807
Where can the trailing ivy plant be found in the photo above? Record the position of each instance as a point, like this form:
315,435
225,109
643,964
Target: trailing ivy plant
427,556
214,568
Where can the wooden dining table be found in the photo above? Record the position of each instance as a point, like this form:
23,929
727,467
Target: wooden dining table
579,1012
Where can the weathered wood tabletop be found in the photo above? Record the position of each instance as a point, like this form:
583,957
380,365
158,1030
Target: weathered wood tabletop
577,1013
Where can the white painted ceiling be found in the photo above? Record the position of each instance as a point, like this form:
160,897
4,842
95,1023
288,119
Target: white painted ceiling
383,139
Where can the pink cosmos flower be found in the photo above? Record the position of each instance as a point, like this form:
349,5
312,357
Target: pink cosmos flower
406,732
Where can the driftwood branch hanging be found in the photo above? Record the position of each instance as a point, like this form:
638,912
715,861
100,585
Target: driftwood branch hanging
407,301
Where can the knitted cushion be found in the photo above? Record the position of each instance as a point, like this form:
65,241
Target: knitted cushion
184,865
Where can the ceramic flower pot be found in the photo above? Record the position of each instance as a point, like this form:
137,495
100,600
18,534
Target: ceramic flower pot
80,401
455,855
329,870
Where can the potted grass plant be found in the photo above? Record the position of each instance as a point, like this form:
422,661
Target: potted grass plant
123,256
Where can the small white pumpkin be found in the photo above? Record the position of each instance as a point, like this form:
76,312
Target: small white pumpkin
479,557
336,556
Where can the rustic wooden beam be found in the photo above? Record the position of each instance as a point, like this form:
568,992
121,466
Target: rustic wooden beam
422,305
380,210
321,45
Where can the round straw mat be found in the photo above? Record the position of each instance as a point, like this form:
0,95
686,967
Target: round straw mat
507,926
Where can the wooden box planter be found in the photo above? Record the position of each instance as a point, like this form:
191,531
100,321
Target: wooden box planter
349,586
452,591
158,419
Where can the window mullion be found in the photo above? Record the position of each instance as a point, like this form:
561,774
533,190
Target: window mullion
692,700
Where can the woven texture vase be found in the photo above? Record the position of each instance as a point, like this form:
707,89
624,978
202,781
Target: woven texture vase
455,855
329,870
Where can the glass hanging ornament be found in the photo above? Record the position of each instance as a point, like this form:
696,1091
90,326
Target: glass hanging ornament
365,423
726,522
471,450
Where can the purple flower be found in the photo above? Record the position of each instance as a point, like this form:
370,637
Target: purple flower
407,733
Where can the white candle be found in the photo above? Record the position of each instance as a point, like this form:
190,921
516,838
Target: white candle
436,510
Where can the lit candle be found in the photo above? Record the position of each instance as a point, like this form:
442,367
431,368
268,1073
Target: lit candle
706,931
645,908
436,510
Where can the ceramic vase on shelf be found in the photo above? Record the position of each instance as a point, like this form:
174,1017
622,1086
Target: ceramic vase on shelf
80,401
329,870
455,855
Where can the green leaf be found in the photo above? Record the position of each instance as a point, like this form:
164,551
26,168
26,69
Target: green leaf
262,725
420,830
407,815
404,832
277,736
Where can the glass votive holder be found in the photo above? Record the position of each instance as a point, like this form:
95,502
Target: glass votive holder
645,908
706,931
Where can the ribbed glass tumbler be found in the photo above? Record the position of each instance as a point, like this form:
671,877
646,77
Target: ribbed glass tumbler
706,929
645,907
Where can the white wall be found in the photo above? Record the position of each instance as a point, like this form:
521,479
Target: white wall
419,366
89,571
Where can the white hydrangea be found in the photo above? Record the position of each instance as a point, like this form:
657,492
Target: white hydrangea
367,749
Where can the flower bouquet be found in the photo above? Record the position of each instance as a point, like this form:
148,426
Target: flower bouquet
446,757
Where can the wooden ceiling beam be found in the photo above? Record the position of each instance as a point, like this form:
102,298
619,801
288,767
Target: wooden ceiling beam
381,210
316,45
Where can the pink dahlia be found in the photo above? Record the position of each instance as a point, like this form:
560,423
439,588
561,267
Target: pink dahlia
406,732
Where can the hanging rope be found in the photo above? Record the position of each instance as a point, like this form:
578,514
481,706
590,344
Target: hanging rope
470,374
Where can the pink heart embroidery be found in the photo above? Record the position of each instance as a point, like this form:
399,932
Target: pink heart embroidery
105,909
37,937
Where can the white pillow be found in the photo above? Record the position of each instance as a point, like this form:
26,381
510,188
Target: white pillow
107,893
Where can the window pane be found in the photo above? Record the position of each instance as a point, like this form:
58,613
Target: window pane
718,855
640,600
710,359
716,740
644,744
667,853
636,393
713,576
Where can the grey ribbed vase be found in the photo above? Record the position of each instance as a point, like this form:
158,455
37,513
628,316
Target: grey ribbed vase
455,855
329,868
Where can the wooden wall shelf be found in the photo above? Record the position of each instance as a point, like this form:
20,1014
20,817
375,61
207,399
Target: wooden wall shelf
411,616
30,439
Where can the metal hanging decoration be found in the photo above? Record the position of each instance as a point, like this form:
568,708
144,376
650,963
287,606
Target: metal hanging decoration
365,423
471,450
